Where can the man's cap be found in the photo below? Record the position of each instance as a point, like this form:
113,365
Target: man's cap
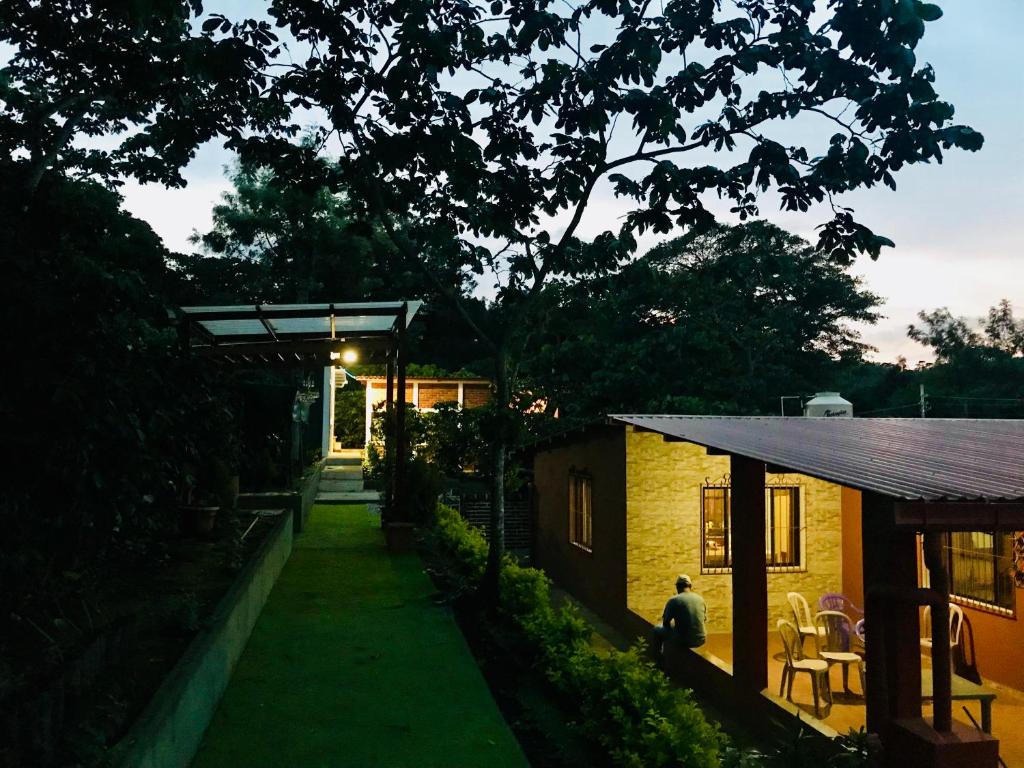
682,580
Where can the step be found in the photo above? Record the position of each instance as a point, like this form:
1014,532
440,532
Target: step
342,473
343,461
327,484
348,497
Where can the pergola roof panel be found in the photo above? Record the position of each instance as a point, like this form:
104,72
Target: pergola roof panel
290,332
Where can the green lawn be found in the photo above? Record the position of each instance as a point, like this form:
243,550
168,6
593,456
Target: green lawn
351,664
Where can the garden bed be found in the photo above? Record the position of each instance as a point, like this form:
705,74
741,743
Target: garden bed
540,719
571,704
75,685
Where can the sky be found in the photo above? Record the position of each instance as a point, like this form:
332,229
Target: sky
958,227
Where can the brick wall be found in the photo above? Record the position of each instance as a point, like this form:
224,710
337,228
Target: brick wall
475,395
518,523
663,519
432,394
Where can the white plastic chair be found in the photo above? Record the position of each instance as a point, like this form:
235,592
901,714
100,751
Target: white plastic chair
796,662
956,626
835,634
803,619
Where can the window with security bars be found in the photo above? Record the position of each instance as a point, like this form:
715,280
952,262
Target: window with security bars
580,511
980,567
782,527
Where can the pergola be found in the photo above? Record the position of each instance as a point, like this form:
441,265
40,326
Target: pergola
314,335
927,476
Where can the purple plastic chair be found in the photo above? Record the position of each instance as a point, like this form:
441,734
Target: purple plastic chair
835,601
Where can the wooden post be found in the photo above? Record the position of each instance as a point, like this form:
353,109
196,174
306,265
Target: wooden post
892,627
749,576
389,436
401,449
941,660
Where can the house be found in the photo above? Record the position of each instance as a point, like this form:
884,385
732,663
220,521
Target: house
754,508
422,393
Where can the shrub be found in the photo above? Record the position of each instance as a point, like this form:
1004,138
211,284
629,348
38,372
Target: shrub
625,703
458,539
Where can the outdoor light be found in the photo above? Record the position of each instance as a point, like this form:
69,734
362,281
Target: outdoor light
349,357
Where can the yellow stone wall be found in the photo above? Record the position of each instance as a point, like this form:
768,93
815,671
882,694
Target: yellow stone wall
663,497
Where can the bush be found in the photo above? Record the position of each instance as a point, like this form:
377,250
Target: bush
625,703
463,543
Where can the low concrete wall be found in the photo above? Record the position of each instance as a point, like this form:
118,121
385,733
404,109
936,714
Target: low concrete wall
299,501
310,486
170,729
771,717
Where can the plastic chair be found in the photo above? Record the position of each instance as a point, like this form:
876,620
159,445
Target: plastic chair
956,625
834,644
802,616
796,662
836,601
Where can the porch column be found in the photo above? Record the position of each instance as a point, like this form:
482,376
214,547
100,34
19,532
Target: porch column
941,662
749,576
891,626
389,436
369,414
401,449
327,417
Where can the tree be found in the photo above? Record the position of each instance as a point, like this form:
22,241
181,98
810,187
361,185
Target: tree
134,70
489,127
723,321
950,336
305,243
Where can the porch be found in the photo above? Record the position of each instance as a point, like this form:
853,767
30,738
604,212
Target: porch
914,477
848,710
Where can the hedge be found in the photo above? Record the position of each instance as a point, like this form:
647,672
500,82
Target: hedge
625,703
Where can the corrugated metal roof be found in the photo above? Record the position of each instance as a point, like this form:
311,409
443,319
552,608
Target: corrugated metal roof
911,459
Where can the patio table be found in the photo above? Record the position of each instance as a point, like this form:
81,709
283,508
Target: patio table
962,689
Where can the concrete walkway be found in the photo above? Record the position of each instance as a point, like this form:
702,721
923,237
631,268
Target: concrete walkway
352,664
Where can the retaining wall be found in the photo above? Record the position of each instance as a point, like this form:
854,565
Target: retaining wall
169,731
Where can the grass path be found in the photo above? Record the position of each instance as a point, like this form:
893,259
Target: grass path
351,664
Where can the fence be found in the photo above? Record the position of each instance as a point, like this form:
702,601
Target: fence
476,509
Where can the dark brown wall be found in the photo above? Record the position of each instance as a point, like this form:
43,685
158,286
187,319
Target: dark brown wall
853,560
597,578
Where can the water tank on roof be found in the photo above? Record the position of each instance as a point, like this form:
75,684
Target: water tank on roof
828,404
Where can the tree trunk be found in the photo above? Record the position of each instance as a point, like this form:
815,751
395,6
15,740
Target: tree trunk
499,452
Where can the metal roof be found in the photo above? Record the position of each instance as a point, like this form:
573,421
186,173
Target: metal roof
288,333
909,459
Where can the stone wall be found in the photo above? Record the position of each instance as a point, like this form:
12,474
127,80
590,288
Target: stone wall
663,519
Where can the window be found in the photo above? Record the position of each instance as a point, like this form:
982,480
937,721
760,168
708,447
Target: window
782,527
980,567
580,517
717,549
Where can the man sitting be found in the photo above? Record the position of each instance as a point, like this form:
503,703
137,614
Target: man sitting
683,620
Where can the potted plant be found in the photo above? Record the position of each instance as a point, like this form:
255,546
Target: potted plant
210,478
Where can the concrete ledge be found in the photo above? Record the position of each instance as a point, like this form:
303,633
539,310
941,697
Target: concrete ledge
169,731
299,501
762,712
290,500
310,486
